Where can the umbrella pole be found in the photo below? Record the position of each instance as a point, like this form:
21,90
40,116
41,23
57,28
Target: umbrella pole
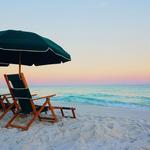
19,69
20,64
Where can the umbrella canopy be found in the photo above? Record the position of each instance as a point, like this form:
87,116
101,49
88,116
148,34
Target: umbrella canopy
27,48
4,65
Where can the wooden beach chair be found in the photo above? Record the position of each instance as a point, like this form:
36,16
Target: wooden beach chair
23,82
24,102
6,105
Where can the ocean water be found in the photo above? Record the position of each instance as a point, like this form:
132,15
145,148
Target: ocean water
130,96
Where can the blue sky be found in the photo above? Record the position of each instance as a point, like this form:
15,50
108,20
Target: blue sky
108,39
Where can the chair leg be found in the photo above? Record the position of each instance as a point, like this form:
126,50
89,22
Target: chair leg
62,112
37,114
51,109
31,121
2,115
74,116
11,120
6,111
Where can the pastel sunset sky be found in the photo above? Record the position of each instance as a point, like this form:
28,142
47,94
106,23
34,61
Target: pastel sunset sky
109,40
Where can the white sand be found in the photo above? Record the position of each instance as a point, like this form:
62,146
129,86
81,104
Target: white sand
96,128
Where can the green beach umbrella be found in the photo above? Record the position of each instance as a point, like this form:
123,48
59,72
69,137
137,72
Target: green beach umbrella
28,48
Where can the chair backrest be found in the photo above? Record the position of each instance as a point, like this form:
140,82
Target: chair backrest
19,91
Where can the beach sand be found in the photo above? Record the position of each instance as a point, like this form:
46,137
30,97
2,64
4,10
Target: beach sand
96,128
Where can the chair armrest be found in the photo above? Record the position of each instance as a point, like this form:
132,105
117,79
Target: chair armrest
43,97
9,97
34,94
5,94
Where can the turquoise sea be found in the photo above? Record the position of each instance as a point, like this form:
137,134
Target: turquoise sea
130,96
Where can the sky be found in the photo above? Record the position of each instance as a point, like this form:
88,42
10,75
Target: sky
109,40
